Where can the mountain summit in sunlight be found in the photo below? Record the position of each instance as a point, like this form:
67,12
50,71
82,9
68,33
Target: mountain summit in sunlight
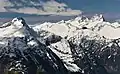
39,7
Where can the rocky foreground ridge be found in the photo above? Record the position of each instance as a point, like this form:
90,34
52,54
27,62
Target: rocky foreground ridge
77,46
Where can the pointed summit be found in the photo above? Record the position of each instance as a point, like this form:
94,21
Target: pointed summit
98,18
15,28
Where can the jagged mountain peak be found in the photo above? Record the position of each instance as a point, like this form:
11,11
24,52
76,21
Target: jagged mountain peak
19,22
97,17
19,19
16,27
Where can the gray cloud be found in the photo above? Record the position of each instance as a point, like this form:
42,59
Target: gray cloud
40,7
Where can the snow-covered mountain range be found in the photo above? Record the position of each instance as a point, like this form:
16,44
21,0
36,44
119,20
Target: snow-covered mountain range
81,45
40,7
96,24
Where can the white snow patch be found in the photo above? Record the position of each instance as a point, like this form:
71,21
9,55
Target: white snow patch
62,50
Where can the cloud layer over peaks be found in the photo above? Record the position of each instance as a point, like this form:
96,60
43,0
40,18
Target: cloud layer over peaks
40,7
